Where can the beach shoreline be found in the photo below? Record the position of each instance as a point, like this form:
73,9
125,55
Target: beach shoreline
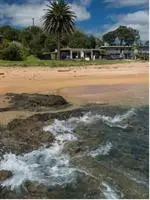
119,84
54,80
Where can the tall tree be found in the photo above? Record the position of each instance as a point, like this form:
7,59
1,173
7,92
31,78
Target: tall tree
59,20
79,40
109,37
92,40
99,42
121,33
147,43
9,33
127,36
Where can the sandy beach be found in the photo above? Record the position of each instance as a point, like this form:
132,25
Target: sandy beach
119,84
80,84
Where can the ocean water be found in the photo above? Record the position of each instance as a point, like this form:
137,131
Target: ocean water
101,154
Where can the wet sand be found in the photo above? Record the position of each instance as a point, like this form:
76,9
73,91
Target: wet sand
117,94
125,84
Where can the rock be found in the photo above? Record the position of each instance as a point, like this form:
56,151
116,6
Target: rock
73,148
36,102
46,137
35,190
1,74
23,136
4,174
64,70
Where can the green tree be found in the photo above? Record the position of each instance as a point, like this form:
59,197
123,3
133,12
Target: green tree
121,34
28,34
99,42
15,52
127,36
147,43
26,37
79,40
9,33
36,45
50,44
59,20
109,38
92,40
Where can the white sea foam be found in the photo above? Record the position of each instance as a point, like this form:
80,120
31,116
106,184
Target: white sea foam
102,150
59,127
50,165
109,192
118,119
68,126
46,165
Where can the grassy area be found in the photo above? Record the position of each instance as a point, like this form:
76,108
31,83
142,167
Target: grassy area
32,61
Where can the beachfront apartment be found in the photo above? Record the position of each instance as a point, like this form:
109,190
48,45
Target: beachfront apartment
86,54
104,52
126,52
144,49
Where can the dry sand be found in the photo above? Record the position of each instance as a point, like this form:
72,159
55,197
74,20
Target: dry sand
115,84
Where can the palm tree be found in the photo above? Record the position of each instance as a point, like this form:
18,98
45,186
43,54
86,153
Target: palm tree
59,20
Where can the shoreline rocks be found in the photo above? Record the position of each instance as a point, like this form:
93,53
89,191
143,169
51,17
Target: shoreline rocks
34,102
5,174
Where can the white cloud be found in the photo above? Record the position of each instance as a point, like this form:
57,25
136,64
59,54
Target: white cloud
81,12
22,14
86,2
139,17
125,3
138,20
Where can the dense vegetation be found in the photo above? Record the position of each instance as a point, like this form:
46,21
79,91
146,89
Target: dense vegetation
33,41
37,42
15,52
57,31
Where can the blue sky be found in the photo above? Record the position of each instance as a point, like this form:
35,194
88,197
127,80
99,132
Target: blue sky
93,16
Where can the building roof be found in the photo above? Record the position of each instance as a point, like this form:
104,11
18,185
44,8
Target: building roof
79,49
115,46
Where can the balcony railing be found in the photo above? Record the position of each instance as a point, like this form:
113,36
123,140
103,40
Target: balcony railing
118,51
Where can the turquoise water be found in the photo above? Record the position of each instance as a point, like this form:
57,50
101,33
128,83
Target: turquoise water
102,153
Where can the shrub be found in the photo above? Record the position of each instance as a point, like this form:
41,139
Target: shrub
15,52
43,56
143,56
3,45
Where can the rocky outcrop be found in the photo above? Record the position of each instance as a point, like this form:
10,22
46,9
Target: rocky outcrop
34,102
23,136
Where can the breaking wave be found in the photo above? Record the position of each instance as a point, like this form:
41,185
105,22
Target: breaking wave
109,192
68,126
49,165
102,150
46,166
